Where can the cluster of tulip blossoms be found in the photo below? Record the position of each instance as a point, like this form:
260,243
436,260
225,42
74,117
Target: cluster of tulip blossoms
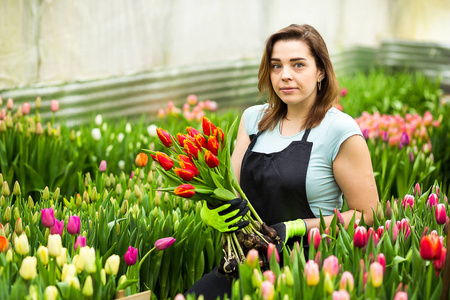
192,108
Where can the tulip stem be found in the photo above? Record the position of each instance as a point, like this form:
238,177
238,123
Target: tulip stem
145,256
241,192
241,253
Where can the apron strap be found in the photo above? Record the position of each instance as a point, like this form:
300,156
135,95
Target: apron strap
305,135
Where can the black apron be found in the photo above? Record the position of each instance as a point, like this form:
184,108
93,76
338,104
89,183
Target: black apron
275,183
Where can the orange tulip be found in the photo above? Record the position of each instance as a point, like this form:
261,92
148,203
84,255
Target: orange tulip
141,160
208,126
185,191
191,148
211,160
430,247
164,136
187,164
4,243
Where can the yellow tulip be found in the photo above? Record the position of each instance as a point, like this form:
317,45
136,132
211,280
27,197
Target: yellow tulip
54,245
21,244
51,293
42,253
88,289
62,258
112,264
28,268
68,271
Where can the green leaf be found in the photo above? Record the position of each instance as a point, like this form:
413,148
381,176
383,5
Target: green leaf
223,194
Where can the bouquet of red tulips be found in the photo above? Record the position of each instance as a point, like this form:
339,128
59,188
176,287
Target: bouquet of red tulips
198,167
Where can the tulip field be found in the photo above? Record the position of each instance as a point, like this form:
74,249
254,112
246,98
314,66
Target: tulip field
87,211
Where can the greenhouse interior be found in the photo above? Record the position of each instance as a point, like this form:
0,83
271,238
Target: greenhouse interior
131,133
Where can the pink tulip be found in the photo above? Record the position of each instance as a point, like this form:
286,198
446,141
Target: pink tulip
344,92
9,104
269,275
405,228
267,290
340,218
26,108
340,295
192,99
401,296
47,217
432,200
164,243
252,259
417,191
80,242
54,105
347,281
360,238
394,229
58,228
331,266
130,256
270,250
374,235
380,231
441,214
74,225
408,200
382,260
311,272
314,237
102,166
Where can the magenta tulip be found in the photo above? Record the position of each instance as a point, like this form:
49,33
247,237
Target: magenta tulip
360,238
73,225
164,243
441,214
80,242
130,256
47,217
58,228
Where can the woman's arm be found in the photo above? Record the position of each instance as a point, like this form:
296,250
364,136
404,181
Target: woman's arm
352,169
242,142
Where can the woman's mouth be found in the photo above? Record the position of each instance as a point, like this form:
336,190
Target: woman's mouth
288,90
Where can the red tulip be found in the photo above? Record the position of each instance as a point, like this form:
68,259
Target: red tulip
191,148
141,160
211,160
130,257
441,214
164,160
314,237
185,174
181,137
164,136
185,190
213,145
208,126
430,247
187,164
220,136
164,243
380,231
438,263
193,132
201,141
360,238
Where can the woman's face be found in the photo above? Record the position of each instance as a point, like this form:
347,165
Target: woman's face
294,74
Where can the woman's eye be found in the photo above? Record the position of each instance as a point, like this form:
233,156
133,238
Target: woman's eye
298,65
276,67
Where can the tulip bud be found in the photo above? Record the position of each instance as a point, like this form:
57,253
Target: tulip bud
380,213
289,276
341,295
256,278
18,228
272,249
150,177
62,258
16,189
56,194
30,203
124,208
78,201
311,272
360,238
48,217
94,194
45,194
51,293
252,258
2,202
4,243
130,256
38,102
328,284
157,199
73,225
5,189
7,214
408,201
331,266
164,243
267,290
28,268
395,208
9,255
441,214
80,242
54,245
16,213
42,254
118,229
112,264
347,281
376,274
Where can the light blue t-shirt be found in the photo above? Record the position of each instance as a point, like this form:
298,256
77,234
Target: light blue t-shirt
321,188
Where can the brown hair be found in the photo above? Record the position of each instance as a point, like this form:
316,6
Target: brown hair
329,90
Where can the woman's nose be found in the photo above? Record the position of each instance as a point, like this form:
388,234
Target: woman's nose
286,75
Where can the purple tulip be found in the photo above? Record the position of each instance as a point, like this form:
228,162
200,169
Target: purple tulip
73,225
58,228
164,243
130,256
47,217
385,136
404,139
411,157
365,133
102,167
80,242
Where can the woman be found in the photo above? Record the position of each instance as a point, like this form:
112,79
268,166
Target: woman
297,155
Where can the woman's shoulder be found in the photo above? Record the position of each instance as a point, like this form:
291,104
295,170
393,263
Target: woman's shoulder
252,115
338,120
